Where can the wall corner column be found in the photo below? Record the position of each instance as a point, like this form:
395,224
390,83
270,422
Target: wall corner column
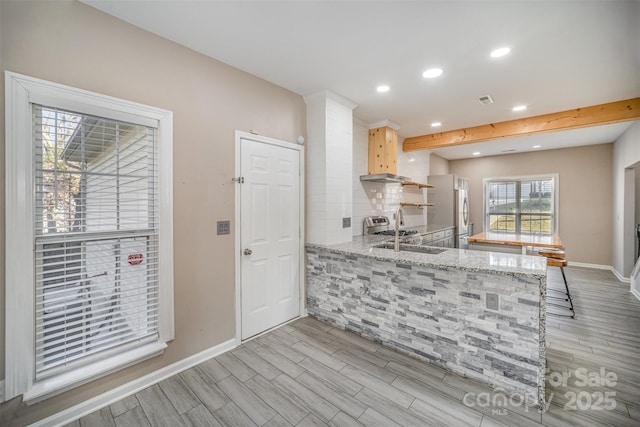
329,168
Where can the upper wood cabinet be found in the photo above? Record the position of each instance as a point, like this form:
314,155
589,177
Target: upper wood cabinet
383,150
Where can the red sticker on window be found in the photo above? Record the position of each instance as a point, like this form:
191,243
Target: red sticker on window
135,259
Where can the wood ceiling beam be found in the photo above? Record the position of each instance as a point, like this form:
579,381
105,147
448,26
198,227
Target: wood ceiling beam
613,112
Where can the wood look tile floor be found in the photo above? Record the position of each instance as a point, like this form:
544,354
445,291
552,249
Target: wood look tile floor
308,373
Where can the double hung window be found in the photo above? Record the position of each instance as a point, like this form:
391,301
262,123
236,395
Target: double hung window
96,237
521,205
89,227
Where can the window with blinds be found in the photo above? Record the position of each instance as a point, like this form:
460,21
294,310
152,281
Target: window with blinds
526,205
96,238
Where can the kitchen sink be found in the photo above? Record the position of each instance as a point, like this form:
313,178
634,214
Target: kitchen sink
411,248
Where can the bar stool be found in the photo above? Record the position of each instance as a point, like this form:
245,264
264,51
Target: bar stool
557,258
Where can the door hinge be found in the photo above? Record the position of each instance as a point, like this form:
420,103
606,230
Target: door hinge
239,180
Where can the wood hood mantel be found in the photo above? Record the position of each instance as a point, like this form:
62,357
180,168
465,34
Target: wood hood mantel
383,150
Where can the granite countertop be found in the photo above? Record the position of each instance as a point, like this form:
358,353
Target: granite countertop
461,259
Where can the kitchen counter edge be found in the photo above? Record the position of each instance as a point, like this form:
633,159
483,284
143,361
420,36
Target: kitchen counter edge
463,259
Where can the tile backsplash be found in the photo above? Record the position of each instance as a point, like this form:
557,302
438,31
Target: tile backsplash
376,198
384,199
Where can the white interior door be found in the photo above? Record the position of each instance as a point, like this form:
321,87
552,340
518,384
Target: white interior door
269,236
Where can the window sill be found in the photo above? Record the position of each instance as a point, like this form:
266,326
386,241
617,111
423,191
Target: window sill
48,387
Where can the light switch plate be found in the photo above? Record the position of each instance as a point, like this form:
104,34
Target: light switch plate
224,227
346,222
493,301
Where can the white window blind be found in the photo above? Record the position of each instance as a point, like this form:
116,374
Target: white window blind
521,205
96,238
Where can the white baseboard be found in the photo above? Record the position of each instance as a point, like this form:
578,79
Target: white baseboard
619,276
113,395
587,265
615,272
635,280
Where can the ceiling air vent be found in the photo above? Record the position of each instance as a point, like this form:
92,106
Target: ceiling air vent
487,99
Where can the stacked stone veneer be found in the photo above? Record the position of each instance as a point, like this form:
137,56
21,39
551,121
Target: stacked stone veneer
437,314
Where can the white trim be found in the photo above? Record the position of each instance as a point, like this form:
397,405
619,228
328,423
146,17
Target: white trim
384,123
79,100
20,92
165,199
1,391
237,245
328,94
601,267
588,265
620,277
59,383
19,274
634,280
237,228
132,387
556,194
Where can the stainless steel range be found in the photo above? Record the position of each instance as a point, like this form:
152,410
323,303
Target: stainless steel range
380,225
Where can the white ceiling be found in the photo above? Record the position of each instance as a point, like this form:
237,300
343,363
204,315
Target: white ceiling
565,55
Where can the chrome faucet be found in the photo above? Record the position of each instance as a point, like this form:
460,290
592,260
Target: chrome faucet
399,222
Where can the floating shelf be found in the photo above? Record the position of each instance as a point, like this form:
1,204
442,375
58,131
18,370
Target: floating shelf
416,205
417,184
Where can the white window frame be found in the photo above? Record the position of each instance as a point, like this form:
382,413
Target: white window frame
20,92
556,195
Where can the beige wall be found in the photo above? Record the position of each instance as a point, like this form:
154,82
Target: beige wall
438,165
585,204
626,153
73,44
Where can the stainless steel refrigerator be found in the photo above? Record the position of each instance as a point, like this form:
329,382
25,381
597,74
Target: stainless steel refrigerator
450,198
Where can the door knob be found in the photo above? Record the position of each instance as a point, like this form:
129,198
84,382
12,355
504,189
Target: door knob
247,252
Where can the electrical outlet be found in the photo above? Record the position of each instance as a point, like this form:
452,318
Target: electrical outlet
224,227
493,301
346,222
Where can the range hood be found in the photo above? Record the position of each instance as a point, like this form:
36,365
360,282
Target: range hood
383,153
383,177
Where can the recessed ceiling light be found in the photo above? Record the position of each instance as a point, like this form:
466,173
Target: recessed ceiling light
382,88
432,73
477,153
536,146
500,52
411,160
519,108
436,124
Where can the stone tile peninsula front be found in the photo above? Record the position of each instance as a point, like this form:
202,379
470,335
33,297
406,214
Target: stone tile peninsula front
434,307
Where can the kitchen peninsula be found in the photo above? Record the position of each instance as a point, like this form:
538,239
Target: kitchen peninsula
478,314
